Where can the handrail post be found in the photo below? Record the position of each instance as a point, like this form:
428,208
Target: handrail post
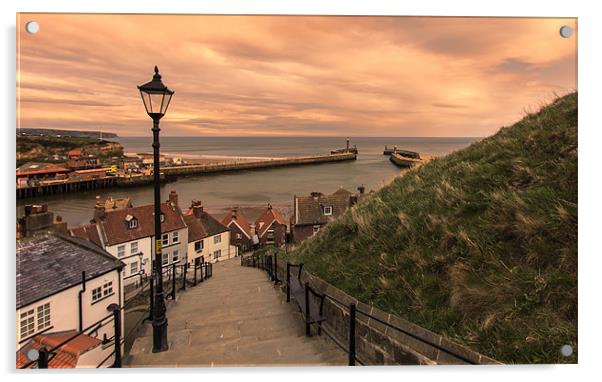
152,295
173,281
307,313
117,337
43,358
184,276
195,270
352,335
276,268
288,282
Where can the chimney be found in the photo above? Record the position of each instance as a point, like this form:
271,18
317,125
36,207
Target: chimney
269,206
361,189
197,208
316,194
37,219
252,226
234,212
173,197
99,210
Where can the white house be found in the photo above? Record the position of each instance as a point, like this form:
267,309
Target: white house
207,237
64,286
128,234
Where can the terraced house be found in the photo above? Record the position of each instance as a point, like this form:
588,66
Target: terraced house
208,239
128,234
64,285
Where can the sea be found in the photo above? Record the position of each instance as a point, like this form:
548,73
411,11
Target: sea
277,186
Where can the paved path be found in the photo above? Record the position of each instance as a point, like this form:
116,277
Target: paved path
236,318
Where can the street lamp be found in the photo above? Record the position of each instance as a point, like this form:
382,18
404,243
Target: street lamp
156,97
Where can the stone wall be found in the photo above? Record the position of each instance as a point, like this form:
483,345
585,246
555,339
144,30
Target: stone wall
379,344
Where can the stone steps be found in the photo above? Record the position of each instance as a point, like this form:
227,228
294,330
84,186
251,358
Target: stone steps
236,318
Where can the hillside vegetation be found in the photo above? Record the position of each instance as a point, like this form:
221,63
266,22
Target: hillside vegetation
480,245
42,148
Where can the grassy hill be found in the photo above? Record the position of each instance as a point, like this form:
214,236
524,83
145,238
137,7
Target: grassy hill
480,245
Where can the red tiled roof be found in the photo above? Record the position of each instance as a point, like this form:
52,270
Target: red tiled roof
114,227
267,218
66,356
240,220
87,232
35,168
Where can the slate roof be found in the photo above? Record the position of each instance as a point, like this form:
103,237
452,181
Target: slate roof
267,218
240,220
203,226
309,209
49,264
66,356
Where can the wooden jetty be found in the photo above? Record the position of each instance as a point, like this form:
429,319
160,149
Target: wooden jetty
53,187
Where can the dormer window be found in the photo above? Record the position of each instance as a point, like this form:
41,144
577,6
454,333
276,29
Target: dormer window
327,210
162,217
131,221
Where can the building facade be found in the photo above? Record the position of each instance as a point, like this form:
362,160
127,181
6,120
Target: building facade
65,285
128,234
270,228
208,238
241,232
311,213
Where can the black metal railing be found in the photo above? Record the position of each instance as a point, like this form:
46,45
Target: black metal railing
352,311
202,271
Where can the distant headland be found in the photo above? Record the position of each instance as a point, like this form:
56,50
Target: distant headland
66,133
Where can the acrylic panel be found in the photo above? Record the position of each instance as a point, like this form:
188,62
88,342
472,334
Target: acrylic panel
223,190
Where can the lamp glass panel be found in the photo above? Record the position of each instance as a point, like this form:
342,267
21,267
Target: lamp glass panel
146,100
156,102
166,102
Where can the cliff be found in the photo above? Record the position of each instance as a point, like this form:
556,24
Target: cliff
43,148
479,246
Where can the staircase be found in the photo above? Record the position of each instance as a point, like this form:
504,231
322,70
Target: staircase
236,318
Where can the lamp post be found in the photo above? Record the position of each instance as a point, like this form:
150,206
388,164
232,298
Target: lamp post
156,97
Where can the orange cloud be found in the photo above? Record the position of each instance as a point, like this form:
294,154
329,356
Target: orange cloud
292,75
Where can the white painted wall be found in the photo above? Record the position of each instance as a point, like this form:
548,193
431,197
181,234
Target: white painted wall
64,313
209,247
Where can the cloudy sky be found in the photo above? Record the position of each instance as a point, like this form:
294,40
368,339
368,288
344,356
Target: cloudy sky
292,76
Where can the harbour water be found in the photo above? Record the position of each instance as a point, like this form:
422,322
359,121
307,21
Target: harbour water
277,186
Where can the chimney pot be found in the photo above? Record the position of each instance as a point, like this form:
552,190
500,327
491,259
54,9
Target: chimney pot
173,197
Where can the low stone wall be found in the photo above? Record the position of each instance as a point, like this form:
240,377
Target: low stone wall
379,344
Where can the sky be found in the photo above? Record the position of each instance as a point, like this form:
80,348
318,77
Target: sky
292,75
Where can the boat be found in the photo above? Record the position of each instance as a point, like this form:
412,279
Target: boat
400,160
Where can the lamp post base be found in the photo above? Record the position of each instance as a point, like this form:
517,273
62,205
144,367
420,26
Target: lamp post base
160,335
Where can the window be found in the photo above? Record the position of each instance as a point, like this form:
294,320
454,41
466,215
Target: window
134,268
217,254
133,223
165,258
43,316
328,210
175,256
198,246
165,239
96,294
217,239
27,323
134,247
107,289
175,237
238,236
162,217
316,229
270,236
121,250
